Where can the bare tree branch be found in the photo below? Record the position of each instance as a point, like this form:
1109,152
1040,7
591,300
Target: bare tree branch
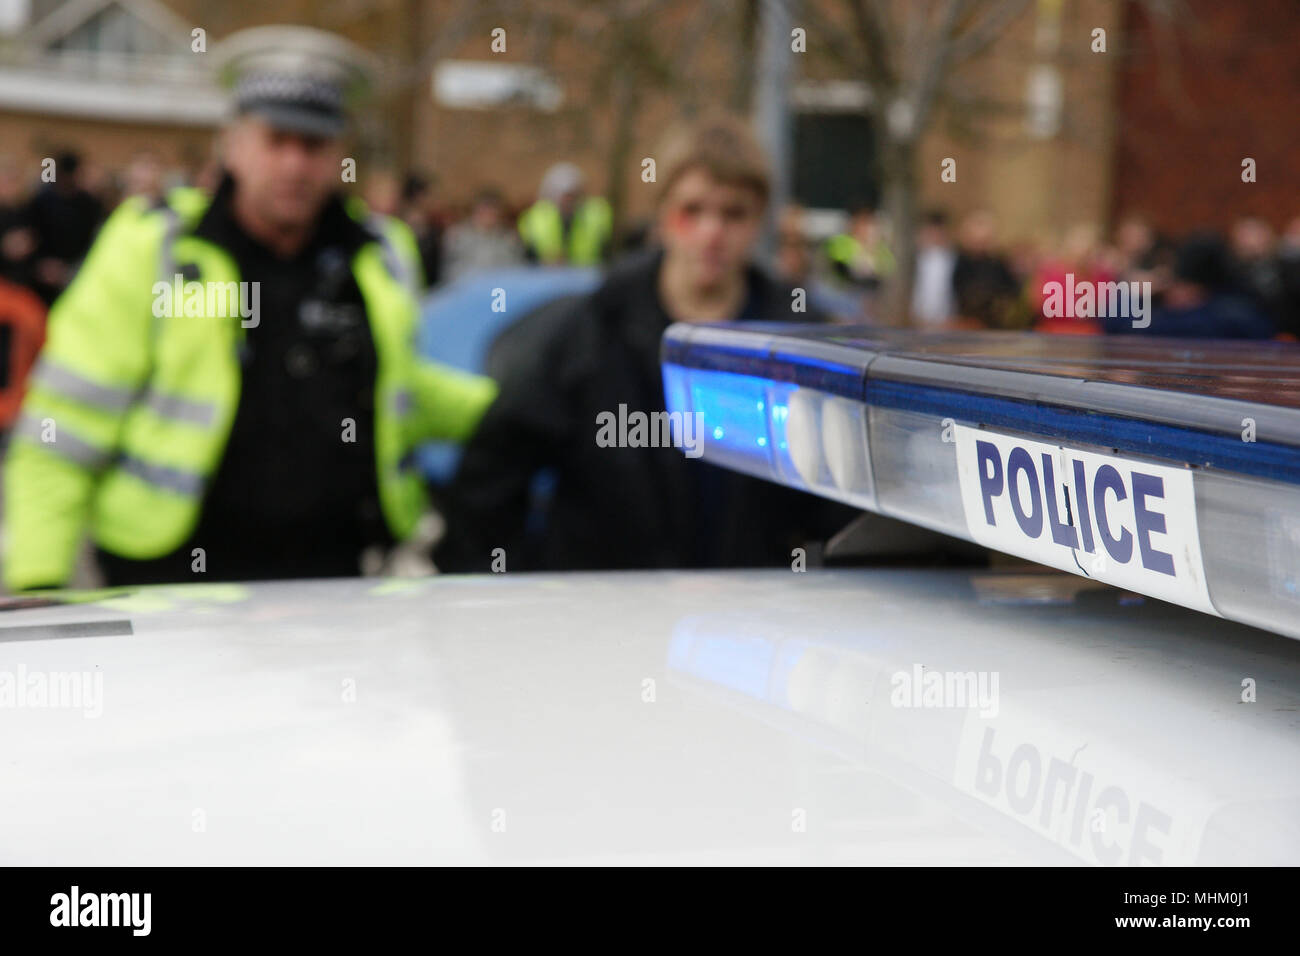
871,34
882,12
937,64
833,38
982,34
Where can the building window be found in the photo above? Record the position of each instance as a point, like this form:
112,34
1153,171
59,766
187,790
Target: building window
834,161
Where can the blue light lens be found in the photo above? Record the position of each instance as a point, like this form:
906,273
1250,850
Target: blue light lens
734,409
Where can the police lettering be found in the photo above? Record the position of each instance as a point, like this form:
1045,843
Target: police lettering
1093,504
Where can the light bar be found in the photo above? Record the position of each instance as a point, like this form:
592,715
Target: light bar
1169,468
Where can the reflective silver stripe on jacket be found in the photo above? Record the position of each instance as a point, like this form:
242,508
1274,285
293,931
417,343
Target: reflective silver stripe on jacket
393,259
403,402
163,476
82,453
174,407
167,268
179,409
59,378
67,445
111,398
166,258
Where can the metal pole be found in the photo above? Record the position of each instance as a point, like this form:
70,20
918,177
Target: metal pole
772,120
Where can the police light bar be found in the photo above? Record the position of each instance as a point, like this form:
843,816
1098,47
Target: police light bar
1166,467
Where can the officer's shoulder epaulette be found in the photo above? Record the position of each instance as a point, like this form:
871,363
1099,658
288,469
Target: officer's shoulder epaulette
189,203
129,219
356,207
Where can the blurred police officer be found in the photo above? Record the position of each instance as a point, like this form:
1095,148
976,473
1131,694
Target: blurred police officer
229,389
566,225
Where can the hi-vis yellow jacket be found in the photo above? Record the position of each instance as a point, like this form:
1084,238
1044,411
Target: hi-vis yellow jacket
128,413
542,229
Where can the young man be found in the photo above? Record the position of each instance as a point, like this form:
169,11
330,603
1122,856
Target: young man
256,425
625,507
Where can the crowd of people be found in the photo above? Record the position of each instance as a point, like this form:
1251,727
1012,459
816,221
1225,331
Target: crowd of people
49,217
564,225
46,230
1202,284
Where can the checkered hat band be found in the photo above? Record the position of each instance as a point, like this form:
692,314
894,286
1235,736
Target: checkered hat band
284,89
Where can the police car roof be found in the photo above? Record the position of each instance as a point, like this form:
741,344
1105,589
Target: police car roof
742,717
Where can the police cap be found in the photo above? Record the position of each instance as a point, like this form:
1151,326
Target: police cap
297,78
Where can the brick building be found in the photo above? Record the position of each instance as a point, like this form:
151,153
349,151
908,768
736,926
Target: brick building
1197,101
1052,133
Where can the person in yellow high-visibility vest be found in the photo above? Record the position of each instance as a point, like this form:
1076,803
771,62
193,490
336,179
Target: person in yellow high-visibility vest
229,390
860,255
566,225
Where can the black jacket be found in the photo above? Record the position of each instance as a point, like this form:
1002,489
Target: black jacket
610,508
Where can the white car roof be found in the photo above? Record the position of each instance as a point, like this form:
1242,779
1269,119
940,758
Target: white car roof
739,717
